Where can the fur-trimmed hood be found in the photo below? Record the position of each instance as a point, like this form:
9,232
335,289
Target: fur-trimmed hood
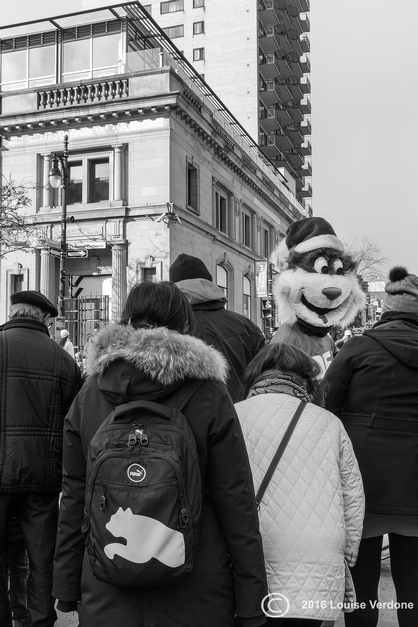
162,355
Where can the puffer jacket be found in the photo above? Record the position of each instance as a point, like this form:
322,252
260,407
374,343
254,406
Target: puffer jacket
125,364
312,512
237,337
39,380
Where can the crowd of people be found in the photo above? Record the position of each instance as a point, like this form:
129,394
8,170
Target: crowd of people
299,477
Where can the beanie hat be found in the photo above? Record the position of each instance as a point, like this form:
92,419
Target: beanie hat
64,333
188,267
309,234
401,291
36,299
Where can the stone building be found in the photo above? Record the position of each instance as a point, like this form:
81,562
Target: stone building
156,166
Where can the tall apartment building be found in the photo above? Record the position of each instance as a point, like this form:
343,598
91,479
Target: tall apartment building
156,165
255,55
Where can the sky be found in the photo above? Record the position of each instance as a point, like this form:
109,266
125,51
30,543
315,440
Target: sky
364,78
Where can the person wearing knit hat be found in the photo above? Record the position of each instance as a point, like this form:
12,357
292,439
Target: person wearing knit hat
66,343
234,335
39,381
372,386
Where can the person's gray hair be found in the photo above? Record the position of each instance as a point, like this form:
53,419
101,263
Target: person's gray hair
22,310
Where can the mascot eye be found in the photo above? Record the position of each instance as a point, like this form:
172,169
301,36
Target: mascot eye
338,266
321,266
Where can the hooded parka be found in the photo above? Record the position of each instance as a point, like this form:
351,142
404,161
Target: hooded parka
126,364
311,514
372,387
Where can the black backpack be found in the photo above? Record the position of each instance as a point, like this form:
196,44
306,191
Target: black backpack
144,495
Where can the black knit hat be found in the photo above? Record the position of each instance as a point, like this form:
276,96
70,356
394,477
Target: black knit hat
31,297
401,291
188,267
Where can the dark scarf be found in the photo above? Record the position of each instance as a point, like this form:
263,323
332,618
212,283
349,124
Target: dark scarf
278,382
309,329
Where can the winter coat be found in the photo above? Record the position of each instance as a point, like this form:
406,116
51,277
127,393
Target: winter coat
372,387
237,337
311,514
125,364
39,380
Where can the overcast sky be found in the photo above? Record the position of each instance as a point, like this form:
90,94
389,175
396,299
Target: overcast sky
364,116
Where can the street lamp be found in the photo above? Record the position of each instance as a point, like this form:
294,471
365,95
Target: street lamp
58,177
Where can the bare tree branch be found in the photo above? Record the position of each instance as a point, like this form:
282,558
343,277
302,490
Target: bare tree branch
17,230
369,258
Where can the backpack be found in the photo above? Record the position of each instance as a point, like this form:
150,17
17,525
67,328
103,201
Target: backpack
144,495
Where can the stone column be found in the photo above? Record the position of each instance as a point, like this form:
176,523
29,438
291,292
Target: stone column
214,202
118,172
46,192
45,273
231,216
119,281
254,232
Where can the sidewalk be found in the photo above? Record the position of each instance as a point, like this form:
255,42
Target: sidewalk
387,618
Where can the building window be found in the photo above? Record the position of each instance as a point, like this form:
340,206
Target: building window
222,279
246,297
31,67
192,186
221,209
171,6
91,57
174,31
99,180
265,243
198,54
198,28
148,8
150,274
198,3
246,229
88,182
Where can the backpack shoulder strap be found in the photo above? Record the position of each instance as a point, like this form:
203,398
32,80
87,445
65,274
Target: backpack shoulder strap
279,452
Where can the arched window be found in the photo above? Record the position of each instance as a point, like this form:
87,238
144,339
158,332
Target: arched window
246,297
222,279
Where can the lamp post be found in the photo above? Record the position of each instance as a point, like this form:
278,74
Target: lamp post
58,177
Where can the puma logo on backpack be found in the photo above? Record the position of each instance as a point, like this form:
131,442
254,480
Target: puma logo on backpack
144,495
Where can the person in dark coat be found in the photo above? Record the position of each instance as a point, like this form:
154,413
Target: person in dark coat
237,337
39,381
373,388
150,356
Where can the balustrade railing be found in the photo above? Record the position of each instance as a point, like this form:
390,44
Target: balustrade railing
97,91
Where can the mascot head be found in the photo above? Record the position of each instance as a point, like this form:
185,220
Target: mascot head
318,285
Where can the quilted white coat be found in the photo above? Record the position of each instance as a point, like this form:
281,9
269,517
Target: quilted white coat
311,515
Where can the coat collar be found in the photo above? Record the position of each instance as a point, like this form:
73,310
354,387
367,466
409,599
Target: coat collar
163,355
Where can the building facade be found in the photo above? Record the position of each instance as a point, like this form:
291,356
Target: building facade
155,166
255,55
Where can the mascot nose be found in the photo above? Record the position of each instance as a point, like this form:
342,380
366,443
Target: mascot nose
331,292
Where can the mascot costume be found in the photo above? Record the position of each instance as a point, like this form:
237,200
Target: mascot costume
317,288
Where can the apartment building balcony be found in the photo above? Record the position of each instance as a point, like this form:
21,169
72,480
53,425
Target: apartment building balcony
295,159
269,92
305,191
305,84
296,115
305,63
272,66
269,119
305,105
267,13
276,138
295,22
295,88
306,169
271,146
294,133
297,47
305,43
306,148
284,18
304,20
305,127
